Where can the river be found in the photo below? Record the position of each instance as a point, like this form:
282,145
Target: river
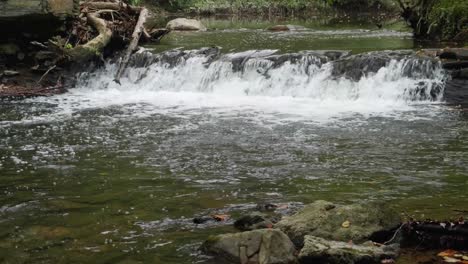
115,174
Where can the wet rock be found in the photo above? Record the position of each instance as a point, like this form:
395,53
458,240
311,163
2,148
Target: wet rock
254,221
143,58
463,74
279,28
185,24
285,28
319,250
357,66
202,220
454,53
429,52
263,246
36,8
453,65
266,207
370,221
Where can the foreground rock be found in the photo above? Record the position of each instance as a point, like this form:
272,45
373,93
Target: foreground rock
357,222
263,246
319,250
185,24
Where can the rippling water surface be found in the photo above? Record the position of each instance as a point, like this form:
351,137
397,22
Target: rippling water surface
115,174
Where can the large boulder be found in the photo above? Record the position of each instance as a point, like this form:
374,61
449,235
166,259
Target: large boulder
319,250
185,24
263,246
356,222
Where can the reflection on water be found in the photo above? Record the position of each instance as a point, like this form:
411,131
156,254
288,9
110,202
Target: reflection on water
317,34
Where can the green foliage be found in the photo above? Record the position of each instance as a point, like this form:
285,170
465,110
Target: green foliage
448,17
264,4
134,2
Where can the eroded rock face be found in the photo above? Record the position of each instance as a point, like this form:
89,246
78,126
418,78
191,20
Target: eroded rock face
369,221
185,24
16,8
263,246
319,250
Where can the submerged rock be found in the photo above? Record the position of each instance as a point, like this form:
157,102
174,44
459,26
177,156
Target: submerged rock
263,246
319,250
285,28
254,221
185,24
371,221
279,28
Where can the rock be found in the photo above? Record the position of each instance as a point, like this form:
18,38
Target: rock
285,28
279,28
454,53
202,220
428,52
185,24
254,221
266,207
370,221
263,246
463,74
453,65
319,250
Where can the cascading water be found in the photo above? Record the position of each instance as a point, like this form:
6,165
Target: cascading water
311,84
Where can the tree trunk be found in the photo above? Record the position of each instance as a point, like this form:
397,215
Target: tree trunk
133,44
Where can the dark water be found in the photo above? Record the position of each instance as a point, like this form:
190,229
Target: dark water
115,174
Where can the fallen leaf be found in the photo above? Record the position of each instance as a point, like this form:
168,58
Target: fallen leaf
447,253
282,206
451,260
220,217
346,224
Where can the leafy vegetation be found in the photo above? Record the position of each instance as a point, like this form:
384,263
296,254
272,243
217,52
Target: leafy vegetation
447,18
258,5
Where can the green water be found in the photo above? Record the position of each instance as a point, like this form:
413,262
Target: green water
83,180
315,34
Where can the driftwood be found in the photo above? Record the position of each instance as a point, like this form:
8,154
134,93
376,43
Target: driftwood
434,234
133,44
96,45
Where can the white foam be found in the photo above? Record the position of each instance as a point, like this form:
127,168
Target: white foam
304,90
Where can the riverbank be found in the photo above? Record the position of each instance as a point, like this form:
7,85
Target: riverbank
278,7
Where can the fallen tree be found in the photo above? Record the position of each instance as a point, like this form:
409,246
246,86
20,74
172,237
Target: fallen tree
100,29
139,28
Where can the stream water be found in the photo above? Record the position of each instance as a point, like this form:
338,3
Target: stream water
115,174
